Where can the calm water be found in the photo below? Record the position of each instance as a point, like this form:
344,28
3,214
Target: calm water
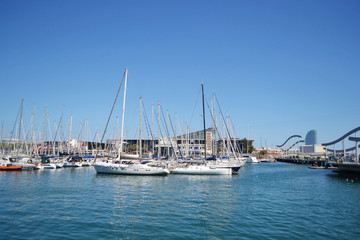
264,201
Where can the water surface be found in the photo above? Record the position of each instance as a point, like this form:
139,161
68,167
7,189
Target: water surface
264,201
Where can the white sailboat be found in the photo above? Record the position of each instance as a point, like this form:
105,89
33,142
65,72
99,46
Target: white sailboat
127,167
49,166
46,163
73,161
203,168
233,163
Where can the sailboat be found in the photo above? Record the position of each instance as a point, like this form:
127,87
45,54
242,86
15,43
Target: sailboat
202,168
46,163
127,166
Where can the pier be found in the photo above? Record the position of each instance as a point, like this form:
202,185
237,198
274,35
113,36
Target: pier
299,160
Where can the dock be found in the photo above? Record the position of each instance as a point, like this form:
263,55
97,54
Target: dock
346,168
296,160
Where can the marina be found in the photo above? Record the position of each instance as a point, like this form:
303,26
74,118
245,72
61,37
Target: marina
179,120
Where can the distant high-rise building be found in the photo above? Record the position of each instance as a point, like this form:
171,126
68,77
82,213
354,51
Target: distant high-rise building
311,138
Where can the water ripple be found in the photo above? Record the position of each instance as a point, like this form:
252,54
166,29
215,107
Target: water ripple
264,201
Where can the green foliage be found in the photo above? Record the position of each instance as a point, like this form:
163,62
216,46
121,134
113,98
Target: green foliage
263,152
243,143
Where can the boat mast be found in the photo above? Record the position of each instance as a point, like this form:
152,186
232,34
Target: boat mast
20,122
159,147
215,127
123,117
153,133
168,142
1,137
140,144
202,88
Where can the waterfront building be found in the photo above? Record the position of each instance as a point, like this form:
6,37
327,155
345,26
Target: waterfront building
311,138
311,147
190,144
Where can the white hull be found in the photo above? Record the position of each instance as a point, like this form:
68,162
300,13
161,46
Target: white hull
45,166
131,169
202,170
86,164
25,166
234,164
59,165
70,164
252,160
49,166
129,156
38,167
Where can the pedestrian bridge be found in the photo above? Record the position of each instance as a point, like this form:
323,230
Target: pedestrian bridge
342,139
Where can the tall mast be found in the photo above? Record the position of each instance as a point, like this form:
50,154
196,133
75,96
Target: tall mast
60,134
53,142
69,137
202,88
215,127
140,144
152,122
168,133
159,147
123,117
20,121
175,137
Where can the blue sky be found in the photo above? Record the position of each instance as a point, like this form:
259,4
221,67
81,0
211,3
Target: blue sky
278,68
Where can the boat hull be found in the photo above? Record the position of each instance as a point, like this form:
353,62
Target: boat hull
10,168
67,164
135,169
347,168
49,166
202,170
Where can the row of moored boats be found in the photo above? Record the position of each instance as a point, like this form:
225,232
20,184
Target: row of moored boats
139,166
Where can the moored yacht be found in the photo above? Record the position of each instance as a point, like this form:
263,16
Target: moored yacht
73,161
129,167
123,166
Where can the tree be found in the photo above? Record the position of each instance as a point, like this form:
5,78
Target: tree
263,152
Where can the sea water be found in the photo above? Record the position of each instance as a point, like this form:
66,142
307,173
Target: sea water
263,201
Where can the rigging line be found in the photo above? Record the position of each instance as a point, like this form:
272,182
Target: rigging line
227,130
147,124
117,94
172,127
168,134
81,128
157,121
58,127
212,117
49,126
12,132
216,128
197,100
237,145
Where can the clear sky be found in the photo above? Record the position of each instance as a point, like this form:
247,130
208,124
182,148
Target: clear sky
277,67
